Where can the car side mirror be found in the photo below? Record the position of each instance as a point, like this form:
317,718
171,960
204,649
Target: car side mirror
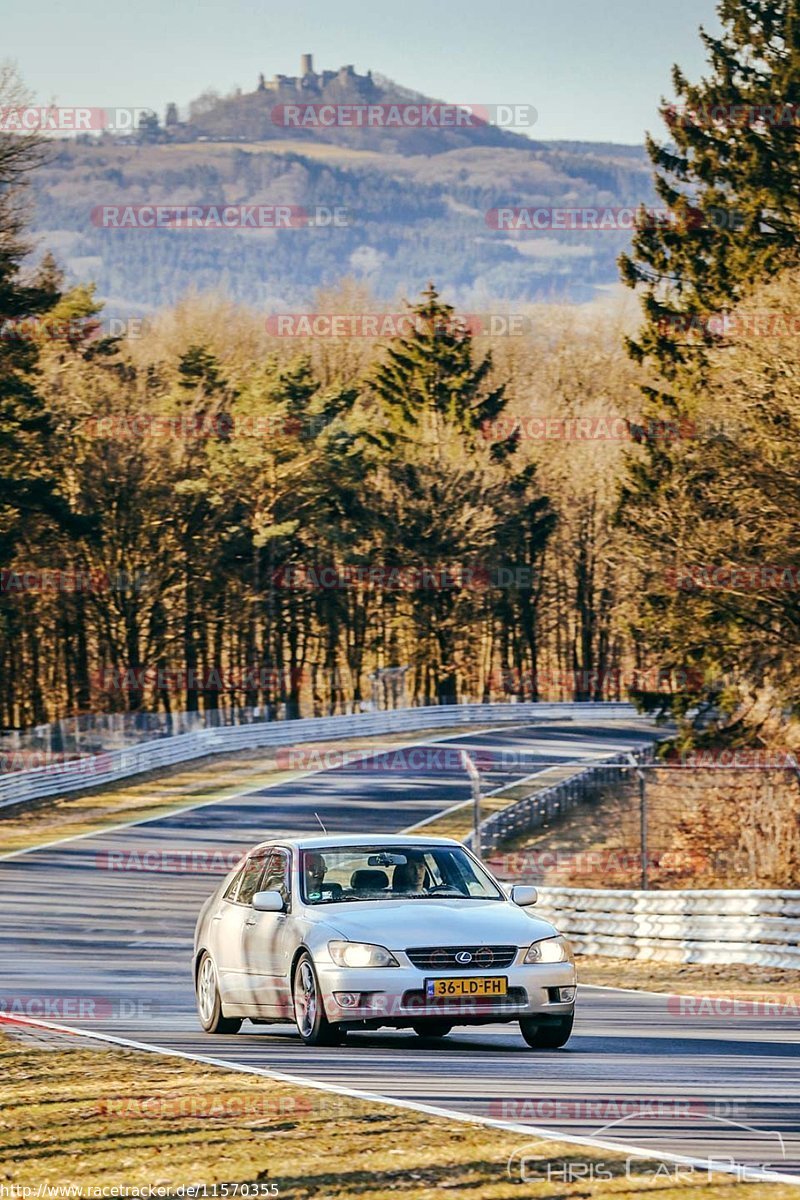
268,902
523,895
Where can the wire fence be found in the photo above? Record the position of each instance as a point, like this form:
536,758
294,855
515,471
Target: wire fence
654,825
58,775
99,733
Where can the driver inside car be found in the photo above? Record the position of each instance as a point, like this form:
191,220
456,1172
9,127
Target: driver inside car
315,868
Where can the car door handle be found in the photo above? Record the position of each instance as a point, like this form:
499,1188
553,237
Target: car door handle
250,921
218,917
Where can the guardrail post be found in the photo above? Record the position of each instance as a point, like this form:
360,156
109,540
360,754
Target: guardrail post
643,823
642,817
475,780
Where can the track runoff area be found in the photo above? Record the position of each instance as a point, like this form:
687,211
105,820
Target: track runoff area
96,936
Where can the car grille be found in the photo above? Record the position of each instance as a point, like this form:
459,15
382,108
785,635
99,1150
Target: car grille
444,958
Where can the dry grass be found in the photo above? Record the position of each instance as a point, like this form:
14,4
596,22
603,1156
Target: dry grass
457,822
203,151
686,979
159,793
109,1117
706,828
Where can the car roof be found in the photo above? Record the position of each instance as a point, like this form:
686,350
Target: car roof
330,841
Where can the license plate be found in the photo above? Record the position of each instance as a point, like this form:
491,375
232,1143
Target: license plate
494,985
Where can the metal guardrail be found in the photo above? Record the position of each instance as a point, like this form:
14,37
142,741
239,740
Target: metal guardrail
548,804
760,928
114,765
756,927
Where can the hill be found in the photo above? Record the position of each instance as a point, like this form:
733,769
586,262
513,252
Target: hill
364,112
416,203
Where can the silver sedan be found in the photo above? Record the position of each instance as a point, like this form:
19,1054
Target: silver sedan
342,933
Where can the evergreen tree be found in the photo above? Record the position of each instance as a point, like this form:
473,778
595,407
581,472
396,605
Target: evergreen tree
430,376
729,179
729,182
446,495
29,486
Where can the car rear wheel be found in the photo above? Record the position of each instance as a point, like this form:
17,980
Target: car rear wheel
546,1036
309,1012
432,1029
209,1004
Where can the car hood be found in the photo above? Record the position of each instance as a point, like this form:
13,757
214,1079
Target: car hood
397,924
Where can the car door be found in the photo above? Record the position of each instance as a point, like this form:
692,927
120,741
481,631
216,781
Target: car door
227,925
267,944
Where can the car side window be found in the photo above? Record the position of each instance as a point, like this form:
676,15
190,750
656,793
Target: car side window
233,886
276,877
251,874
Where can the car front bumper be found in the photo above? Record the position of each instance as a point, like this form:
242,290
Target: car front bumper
397,995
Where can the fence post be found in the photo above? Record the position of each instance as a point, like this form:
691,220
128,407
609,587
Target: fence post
475,780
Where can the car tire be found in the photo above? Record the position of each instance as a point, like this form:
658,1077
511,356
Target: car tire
309,1011
209,1004
550,1036
432,1029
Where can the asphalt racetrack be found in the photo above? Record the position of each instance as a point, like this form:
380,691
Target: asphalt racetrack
92,940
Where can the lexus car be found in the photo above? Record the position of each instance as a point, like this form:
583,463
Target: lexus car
346,933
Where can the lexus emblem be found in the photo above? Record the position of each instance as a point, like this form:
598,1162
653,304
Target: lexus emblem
463,957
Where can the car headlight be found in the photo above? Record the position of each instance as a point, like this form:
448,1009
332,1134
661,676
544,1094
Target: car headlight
550,950
361,954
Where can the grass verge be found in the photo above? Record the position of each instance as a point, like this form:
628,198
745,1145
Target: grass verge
159,793
703,979
94,1116
457,821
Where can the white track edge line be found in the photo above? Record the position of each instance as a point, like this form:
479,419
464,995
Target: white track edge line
177,812
543,770
433,1110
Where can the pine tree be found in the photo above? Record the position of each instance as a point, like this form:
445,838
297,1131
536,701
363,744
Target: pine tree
448,497
729,180
28,482
430,376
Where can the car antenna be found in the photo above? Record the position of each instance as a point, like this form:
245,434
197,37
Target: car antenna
322,827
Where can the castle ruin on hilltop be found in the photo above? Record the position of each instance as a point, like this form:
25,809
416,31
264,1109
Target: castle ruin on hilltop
309,83
344,85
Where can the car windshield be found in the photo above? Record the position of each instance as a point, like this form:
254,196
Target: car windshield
349,873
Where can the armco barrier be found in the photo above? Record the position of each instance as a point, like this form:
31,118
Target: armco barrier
760,928
550,804
107,768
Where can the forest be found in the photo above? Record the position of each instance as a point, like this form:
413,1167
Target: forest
209,516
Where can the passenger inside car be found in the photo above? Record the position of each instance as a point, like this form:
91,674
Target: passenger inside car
410,875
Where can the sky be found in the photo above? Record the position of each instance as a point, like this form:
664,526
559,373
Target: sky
595,70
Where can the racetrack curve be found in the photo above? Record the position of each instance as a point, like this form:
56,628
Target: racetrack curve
108,948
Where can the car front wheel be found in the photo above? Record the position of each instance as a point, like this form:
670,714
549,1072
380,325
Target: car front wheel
309,1012
546,1036
209,1004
